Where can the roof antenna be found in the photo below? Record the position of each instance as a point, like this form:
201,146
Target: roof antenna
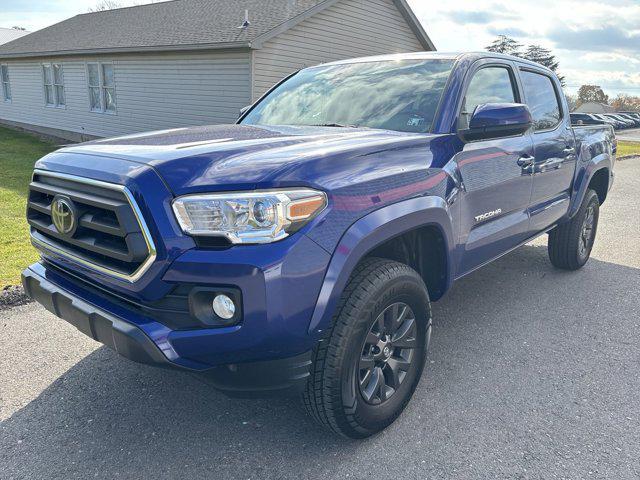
246,22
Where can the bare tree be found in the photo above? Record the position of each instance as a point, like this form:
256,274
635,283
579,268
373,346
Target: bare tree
592,93
19,28
572,101
105,5
113,4
624,102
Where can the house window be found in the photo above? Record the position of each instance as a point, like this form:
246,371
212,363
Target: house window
102,87
6,87
53,79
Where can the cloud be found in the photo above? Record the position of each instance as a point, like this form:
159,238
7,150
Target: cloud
470,17
612,81
513,32
610,57
603,39
481,17
590,38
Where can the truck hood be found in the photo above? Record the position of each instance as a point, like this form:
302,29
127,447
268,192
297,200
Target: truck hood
225,157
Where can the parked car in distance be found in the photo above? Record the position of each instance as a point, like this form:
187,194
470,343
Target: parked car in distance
299,250
635,115
587,119
626,123
631,118
617,124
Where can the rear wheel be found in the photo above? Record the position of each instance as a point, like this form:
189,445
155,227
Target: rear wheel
368,366
570,244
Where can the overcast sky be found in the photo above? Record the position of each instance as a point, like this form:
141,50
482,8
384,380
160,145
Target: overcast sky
595,42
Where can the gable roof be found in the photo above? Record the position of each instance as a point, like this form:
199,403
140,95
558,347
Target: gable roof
177,25
9,34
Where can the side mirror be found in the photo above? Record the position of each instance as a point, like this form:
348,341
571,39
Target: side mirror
496,120
243,110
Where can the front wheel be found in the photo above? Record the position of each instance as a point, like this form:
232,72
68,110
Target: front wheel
368,366
570,244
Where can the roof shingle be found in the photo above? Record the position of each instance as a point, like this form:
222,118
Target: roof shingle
175,24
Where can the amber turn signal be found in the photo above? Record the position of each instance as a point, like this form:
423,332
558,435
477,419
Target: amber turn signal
305,208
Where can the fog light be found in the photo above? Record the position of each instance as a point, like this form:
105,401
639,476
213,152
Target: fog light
224,307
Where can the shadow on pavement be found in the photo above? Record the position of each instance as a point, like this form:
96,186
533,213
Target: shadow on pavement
512,342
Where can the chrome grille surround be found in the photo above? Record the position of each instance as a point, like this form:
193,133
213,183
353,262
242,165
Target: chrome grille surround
68,253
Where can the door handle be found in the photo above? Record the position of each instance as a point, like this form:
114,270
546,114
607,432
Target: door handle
551,164
526,161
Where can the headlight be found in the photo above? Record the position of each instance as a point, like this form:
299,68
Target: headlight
251,217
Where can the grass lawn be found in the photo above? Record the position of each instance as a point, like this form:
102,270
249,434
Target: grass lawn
18,153
628,148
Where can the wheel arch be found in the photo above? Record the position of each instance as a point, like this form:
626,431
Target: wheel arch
422,218
596,175
600,183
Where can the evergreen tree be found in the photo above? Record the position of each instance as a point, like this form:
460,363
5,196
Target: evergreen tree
504,44
543,56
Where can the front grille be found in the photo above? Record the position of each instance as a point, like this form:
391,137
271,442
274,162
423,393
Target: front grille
109,234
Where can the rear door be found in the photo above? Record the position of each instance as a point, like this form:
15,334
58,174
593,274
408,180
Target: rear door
496,186
553,146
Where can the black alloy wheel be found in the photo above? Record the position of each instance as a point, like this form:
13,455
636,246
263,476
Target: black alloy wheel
587,235
387,353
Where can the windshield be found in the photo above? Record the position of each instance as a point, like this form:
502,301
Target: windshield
394,95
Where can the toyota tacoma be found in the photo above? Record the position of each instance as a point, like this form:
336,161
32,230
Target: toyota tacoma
298,250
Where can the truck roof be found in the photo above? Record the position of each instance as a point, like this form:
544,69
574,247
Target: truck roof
437,55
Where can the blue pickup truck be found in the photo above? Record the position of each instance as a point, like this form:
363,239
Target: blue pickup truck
298,250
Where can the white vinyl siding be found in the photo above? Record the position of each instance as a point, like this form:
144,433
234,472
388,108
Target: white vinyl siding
6,86
53,80
160,90
350,28
153,92
102,87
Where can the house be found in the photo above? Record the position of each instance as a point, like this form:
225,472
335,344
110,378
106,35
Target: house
9,34
594,107
184,62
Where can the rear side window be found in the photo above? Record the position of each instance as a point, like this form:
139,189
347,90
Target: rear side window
488,85
542,100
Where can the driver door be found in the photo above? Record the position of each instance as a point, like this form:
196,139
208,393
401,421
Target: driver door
496,182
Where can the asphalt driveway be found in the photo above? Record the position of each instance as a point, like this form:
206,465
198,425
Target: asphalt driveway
629,135
533,373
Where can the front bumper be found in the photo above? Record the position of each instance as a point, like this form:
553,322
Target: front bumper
277,376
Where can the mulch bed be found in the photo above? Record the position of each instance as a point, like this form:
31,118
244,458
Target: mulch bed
12,296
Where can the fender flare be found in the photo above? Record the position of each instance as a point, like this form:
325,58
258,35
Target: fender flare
583,178
367,233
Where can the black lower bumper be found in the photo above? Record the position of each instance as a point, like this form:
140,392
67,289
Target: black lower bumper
267,378
122,337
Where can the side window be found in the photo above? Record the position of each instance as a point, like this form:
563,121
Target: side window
102,91
542,100
6,86
488,85
53,85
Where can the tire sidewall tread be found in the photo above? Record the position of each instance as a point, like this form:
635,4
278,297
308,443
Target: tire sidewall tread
563,240
373,283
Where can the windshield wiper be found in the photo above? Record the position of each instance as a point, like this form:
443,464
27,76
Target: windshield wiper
338,125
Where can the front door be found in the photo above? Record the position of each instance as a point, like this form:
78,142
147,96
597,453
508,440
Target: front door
495,178
554,150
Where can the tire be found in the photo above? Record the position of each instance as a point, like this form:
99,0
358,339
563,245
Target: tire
570,244
364,372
